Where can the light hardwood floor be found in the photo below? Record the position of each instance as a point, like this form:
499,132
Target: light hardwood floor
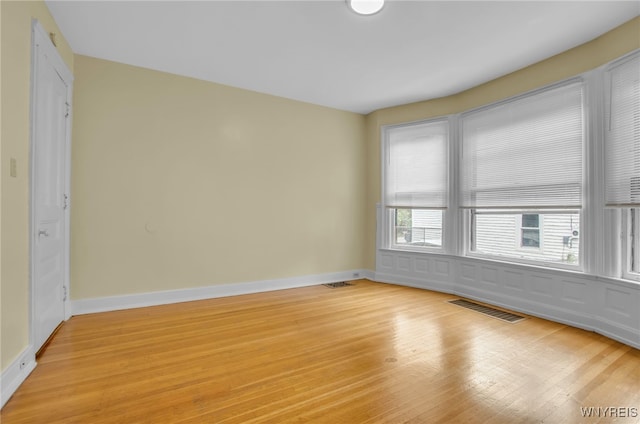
367,353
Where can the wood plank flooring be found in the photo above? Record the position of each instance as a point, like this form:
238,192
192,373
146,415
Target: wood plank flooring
367,353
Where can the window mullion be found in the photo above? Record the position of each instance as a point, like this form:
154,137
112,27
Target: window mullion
592,225
453,217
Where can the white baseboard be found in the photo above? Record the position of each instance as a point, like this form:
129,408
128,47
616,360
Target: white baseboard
615,331
15,374
417,283
367,274
113,303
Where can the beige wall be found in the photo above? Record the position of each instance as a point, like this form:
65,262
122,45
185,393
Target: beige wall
180,183
583,58
15,84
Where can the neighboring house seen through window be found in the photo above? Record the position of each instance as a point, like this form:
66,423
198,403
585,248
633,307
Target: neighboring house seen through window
418,228
547,237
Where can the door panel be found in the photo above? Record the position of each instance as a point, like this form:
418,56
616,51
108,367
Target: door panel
49,169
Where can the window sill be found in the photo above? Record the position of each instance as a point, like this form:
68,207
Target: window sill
620,281
430,250
571,270
528,263
631,278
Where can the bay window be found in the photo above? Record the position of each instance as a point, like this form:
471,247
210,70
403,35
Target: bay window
550,177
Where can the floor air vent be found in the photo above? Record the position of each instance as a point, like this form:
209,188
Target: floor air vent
496,313
338,284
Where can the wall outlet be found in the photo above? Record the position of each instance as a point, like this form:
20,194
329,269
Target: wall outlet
23,363
356,275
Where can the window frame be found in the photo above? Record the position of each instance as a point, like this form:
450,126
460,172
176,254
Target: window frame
619,262
392,240
388,213
467,239
631,234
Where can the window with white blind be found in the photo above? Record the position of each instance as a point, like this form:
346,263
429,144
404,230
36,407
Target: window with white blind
622,152
416,183
525,153
622,140
523,158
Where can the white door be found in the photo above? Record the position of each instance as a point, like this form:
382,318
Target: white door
49,254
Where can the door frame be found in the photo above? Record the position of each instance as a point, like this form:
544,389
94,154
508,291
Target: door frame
40,40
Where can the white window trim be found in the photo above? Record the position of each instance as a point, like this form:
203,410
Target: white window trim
387,212
616,226
392,244
627,273
591,255
589,110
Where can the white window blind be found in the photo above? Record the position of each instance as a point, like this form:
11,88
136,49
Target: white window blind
622,140
416,166
525,153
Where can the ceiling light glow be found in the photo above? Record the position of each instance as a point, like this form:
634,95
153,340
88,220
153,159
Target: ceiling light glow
366,7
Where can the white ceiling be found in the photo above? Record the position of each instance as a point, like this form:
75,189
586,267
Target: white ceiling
320,52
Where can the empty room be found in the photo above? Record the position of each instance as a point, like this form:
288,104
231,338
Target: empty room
333,211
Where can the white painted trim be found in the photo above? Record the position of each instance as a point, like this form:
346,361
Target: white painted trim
368,274
67,211
42,38
388,221
16,373
416,283
113,303
615,331
454,219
